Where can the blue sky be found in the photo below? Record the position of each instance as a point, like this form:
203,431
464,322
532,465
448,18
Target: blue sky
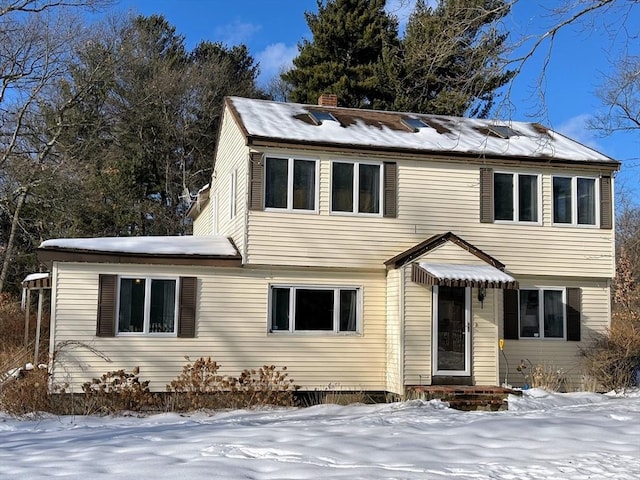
564,99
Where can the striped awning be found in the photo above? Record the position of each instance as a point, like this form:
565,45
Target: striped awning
37,280
462,275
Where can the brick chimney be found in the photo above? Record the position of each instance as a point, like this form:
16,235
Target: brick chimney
328,100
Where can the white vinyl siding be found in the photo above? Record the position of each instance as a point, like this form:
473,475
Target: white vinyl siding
232,316
394,331
433,197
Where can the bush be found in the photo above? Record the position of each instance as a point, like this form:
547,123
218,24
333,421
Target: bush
117,391
200,386
613,359
27,393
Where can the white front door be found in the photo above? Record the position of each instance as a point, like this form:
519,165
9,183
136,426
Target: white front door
451,331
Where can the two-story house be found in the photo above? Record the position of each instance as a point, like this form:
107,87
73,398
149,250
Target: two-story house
362,250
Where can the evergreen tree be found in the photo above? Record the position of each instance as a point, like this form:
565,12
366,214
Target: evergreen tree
346,55
450,58
148,133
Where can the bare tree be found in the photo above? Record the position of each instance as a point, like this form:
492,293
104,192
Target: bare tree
36,40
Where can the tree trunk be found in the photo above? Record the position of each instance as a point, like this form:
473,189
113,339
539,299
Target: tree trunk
12,237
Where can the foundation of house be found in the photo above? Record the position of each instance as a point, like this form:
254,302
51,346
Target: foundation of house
464,397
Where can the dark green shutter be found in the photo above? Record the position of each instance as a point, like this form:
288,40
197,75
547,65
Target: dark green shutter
390,189
574,299
510,313
606,210
256,181
187,307
107,289
486,195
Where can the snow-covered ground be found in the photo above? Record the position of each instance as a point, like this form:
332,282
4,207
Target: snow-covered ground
542,436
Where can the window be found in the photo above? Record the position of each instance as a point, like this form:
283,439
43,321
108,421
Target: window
232,194
314,309
516,197
147,305
290,184
542,313
356,187
574,200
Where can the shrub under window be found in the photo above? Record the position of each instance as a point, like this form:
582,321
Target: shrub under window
317,309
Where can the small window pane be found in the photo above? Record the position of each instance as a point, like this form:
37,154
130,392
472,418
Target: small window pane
348,310
553,314
529,313
561,200
276,183
342,187
131,315
369,195
304,184
163,306
280,309
503,196
528,198
586,201
314,309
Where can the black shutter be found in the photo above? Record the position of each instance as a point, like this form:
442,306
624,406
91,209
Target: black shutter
107,288
390,189
574,299
256,181
187,307
510,313
486,195
606,210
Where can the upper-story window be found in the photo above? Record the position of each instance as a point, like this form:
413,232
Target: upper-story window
575,201
356,187
516,197
291,183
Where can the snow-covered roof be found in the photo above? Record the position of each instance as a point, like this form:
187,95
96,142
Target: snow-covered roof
470,273
35,276
218,246
357,128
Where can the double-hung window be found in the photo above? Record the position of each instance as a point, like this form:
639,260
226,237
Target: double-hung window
542,313
291,184
516,197
356,187
147,305
575,201
314,309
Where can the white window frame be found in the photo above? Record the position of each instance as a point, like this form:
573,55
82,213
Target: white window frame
516,197
147,306
336,311
233,194
541,291
214,214
356,188
290,165
574,202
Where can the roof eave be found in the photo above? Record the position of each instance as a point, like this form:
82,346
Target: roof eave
261,141
48,255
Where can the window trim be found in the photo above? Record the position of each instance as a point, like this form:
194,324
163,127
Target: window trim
233,194
574,202
516,197
147,307
336,311
290,164
356,188
541,291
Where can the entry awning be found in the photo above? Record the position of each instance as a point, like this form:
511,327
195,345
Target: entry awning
461,275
